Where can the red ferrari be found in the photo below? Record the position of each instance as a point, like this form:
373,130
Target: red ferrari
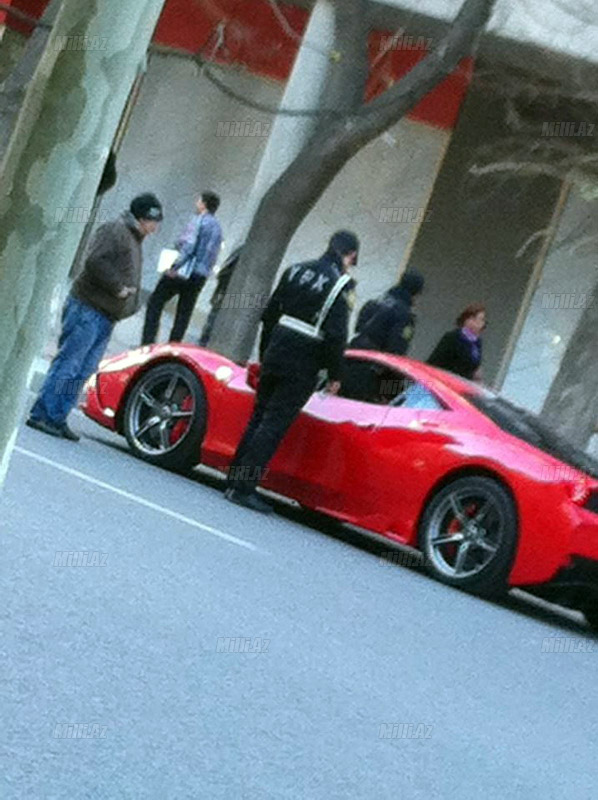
490,496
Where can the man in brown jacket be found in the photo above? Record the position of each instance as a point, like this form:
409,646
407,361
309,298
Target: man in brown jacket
107,290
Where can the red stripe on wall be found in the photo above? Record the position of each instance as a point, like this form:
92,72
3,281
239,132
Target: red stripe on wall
441,106
253,36
255,39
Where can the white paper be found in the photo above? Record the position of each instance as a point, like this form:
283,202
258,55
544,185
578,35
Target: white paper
167,259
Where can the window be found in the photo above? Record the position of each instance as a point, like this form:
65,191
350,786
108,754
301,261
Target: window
372,382
417,396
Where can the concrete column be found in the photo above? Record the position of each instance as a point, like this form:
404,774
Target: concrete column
303,91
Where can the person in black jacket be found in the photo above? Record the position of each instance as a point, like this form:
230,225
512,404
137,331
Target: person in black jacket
223,279
460,350
385,325
389,327
305,328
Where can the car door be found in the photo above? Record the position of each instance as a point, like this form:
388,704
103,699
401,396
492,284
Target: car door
325,455
367,462
409,447
330,460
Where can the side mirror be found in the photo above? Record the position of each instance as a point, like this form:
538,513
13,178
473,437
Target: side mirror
253,376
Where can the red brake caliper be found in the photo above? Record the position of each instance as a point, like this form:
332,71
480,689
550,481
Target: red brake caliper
180,428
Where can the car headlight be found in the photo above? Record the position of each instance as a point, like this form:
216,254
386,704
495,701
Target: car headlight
223,374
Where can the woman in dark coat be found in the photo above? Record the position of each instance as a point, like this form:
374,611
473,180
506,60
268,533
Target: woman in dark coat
460,350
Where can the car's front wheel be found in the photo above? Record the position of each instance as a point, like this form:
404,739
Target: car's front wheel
165,416
468,534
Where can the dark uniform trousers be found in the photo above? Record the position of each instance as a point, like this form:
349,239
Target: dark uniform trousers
279,400
188,292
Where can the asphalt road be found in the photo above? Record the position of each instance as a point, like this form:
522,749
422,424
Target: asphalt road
362,680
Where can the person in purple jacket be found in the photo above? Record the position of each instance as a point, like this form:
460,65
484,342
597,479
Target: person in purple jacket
198,247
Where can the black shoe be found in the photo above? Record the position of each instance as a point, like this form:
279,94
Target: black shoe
67,433
45,427
250,500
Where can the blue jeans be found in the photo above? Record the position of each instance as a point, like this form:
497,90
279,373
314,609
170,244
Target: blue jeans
83,340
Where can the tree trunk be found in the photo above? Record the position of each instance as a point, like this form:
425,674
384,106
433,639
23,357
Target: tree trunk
295,193
53,163
571,406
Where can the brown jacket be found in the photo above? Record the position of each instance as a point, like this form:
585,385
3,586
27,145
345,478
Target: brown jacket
113,262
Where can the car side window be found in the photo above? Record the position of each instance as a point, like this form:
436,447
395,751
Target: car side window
416,396
372,382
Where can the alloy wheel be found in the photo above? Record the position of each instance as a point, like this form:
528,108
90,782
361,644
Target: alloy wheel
162,412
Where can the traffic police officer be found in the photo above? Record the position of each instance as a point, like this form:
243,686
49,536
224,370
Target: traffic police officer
305,329
389,327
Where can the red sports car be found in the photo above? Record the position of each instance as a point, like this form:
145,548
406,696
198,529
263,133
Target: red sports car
491,497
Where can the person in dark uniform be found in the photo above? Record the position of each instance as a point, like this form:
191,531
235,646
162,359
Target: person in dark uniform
460,350
387,326
223,278
305,329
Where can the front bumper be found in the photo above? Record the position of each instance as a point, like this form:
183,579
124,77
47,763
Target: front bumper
92,407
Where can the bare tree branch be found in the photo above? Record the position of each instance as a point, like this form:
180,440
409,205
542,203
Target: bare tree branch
531,240
294,194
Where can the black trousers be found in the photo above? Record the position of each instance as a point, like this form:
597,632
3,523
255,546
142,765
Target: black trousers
208,327
187,291
279,401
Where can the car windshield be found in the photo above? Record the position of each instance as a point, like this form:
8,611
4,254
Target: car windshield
531,429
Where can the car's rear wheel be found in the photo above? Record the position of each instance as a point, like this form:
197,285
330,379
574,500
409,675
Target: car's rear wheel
165,417
468,534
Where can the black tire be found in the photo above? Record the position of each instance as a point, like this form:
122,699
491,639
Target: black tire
590,612
169,431
318,518
479,516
